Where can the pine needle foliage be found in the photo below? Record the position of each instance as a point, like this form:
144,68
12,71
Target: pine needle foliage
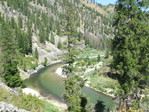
73,83
130,45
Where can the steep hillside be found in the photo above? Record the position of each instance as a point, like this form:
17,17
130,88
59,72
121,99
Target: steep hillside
33,33
42,22
95,7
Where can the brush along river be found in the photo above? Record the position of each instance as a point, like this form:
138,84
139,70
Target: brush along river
51,86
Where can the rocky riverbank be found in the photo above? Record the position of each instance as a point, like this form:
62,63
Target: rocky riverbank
26,74
6,107
33,92
59,72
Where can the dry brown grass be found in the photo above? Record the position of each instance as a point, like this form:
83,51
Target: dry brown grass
95,7
110,8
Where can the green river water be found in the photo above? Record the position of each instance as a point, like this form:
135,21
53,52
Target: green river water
51,86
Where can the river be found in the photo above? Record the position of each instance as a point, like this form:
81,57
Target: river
51,86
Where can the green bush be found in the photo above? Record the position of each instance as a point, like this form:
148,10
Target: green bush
50,108
29,102
22,101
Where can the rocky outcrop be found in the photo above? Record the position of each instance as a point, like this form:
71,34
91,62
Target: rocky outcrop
47,50
4,107
26,74
11,91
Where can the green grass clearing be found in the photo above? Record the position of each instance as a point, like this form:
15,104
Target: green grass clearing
103,83
28,63
90,53
51,108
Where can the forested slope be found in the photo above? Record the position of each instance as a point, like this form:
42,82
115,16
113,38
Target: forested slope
40,26
36,33
32,33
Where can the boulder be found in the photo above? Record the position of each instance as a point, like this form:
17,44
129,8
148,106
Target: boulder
5,107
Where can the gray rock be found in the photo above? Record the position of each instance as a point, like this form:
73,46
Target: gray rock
4,107
2,85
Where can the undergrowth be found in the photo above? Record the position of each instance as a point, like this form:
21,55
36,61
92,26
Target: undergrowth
27,102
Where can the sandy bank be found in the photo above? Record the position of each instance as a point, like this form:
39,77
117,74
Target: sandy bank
37,94
30,91
59,72
25,75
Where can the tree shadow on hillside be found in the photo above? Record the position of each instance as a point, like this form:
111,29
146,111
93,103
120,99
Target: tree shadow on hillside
113,75
99,107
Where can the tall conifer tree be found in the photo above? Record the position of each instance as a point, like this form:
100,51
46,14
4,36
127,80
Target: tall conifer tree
20,24
29,28
36,53
9,49
73,83
130,45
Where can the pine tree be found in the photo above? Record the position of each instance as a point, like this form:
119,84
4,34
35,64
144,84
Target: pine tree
13,23
59,45
22,39
42,35
87,40
73,83
11,74
26,44
99,58
45,62
20,24
29,40
58,28
51,23
107,54
80,36
130,45
73,94
10,55
47,33
36,53
52,38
